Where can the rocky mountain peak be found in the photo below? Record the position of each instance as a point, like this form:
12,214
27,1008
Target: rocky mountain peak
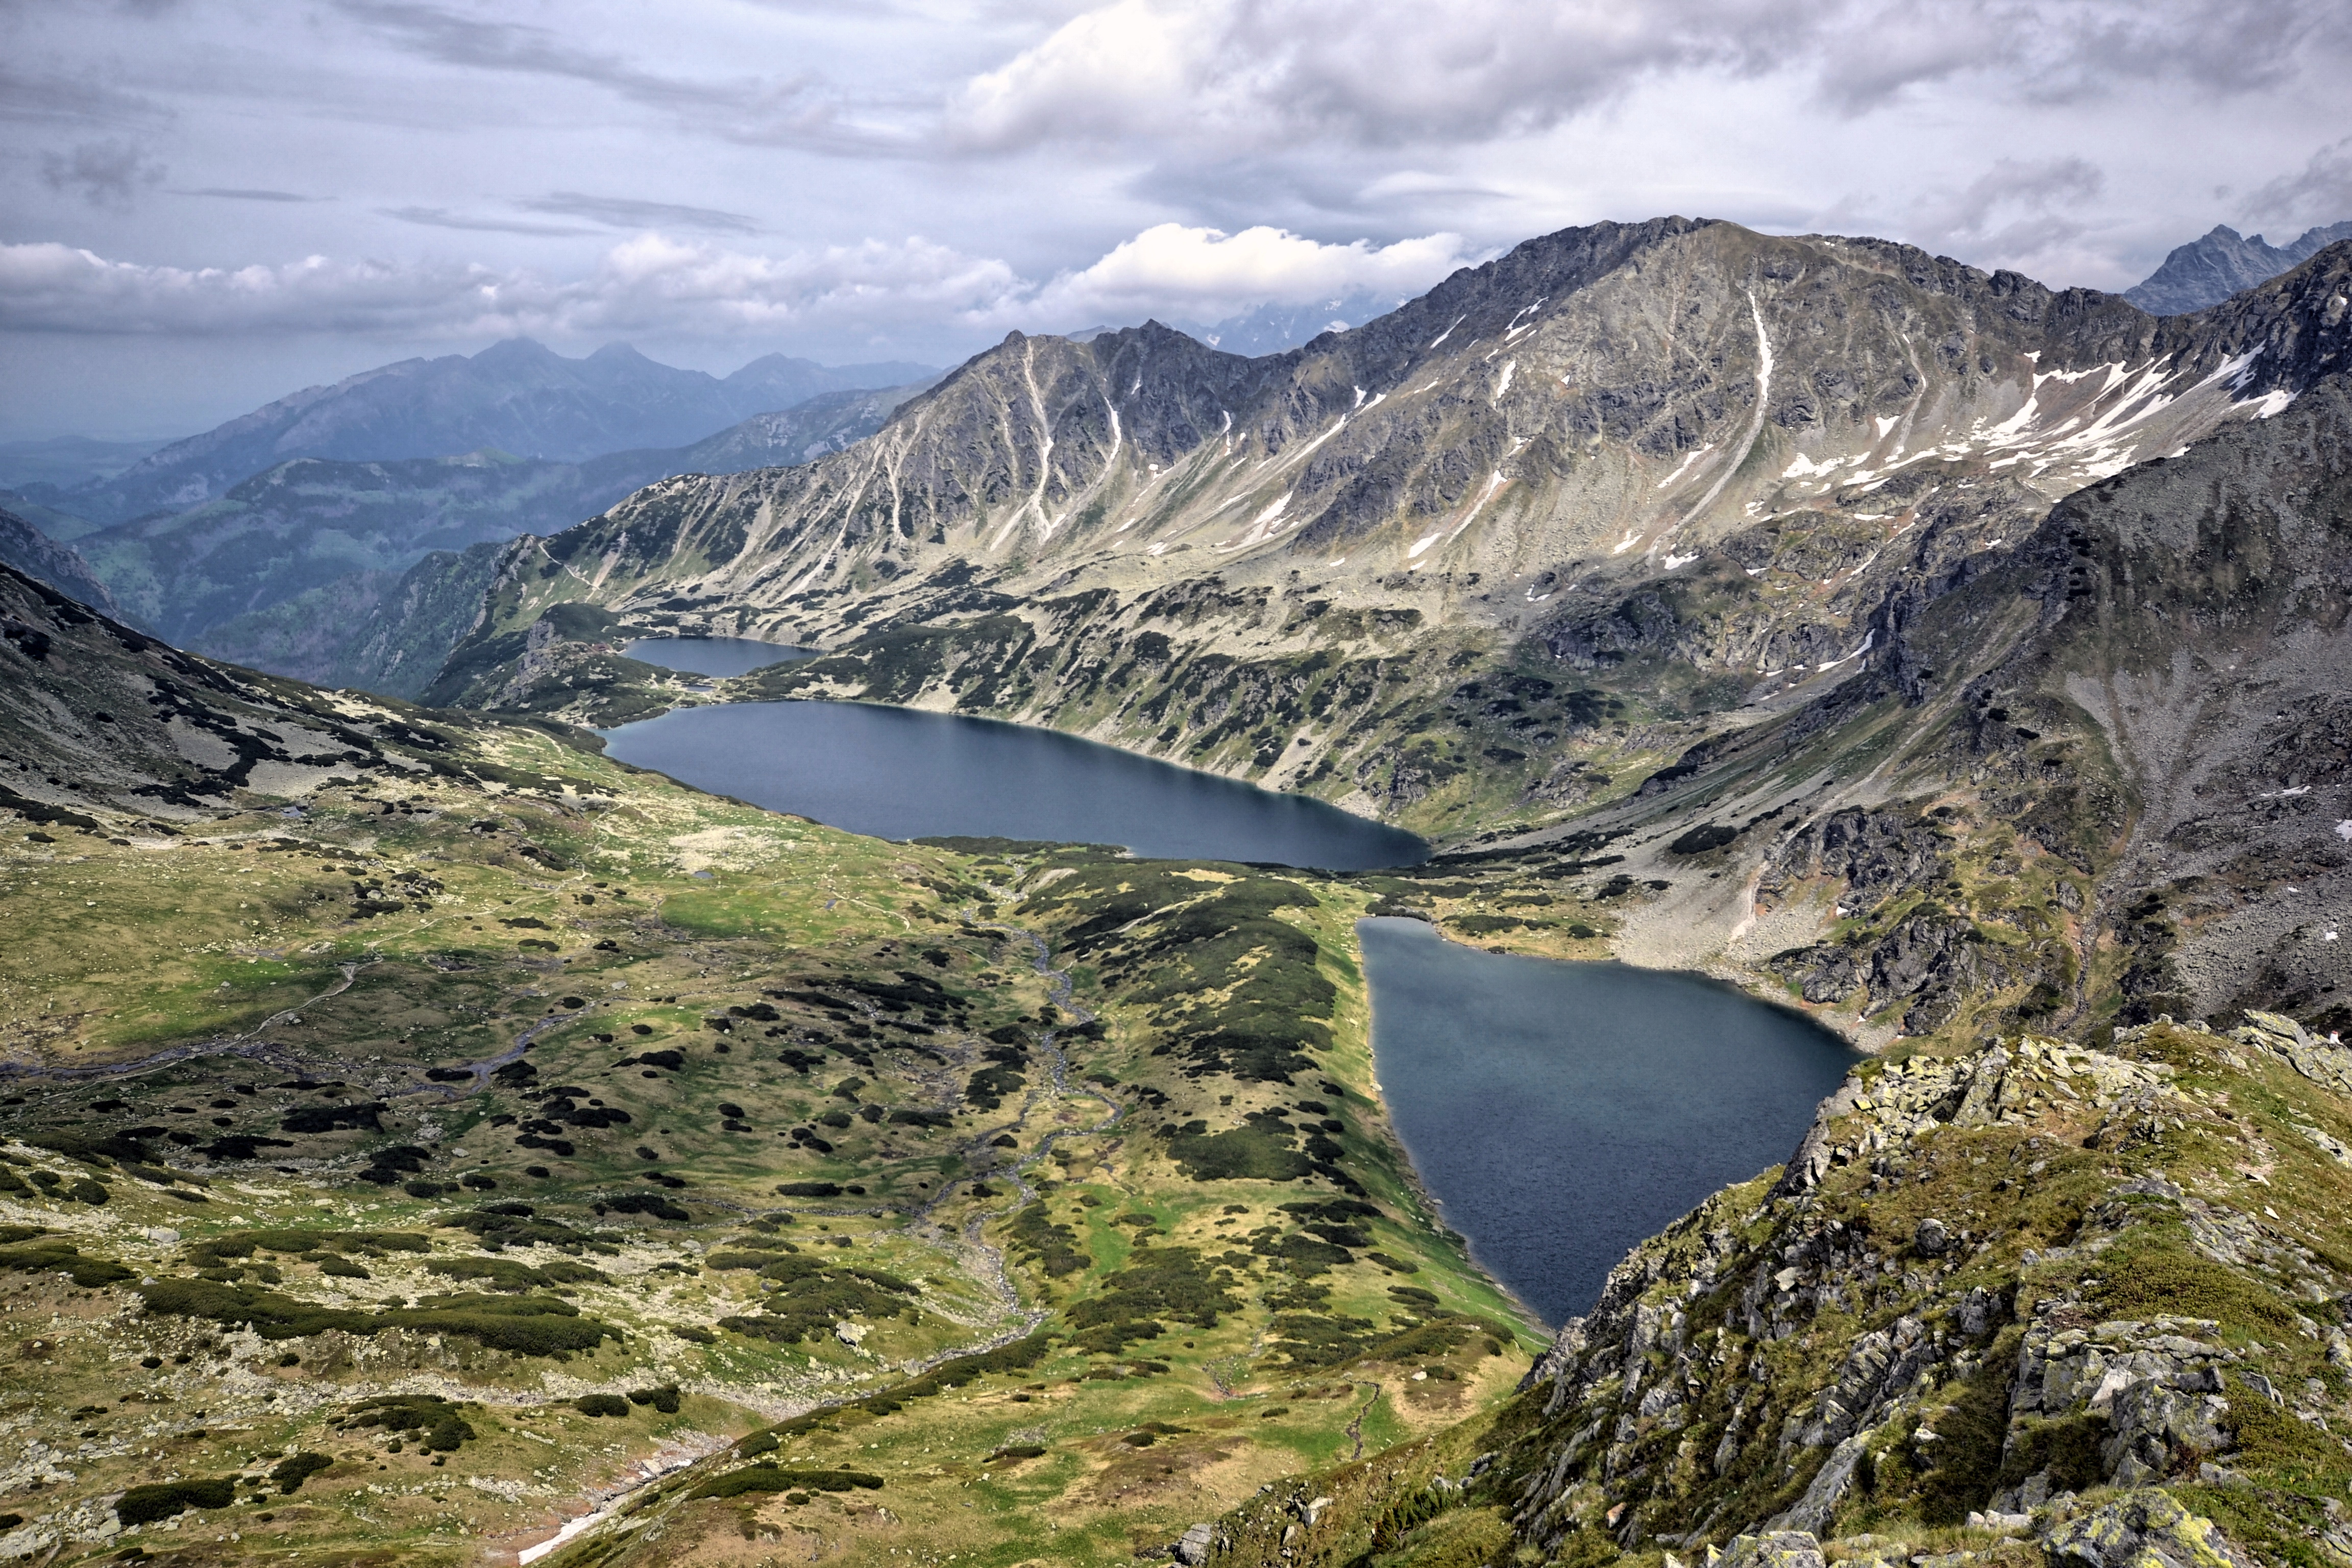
2222,262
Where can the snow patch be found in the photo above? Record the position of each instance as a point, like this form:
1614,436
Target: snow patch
1688,458
1449,331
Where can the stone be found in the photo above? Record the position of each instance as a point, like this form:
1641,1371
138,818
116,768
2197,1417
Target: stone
2143,1529
1192,1548
1773,1549
2153,1430
1931,1240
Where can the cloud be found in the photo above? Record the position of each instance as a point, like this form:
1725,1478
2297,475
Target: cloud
793,110
1233,73
71,101
648,282
1195,78
232,194
103,173
2321,193
618,212
2012,210
442,217
653,282
1204,274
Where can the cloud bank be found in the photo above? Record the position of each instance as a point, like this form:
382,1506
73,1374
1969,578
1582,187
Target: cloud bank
654,282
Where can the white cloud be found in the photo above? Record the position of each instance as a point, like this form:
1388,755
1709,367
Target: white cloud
655,283
1171,269
1239,73
1208,79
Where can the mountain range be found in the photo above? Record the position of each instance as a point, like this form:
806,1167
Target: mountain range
2222,262
302,524
1271,329
516,396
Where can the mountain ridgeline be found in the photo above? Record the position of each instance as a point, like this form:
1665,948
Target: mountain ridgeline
516,396
2222,262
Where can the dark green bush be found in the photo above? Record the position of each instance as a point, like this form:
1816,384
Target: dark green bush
40,1255
438,1423
500,1273
1258,1149
1706,835
531,1325
601,1405
1055,1248
770,1479
145,1505
663,1399
291,1471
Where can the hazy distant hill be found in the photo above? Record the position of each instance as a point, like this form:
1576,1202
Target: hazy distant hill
517,397
2209,271
1271,329
65,461
305,523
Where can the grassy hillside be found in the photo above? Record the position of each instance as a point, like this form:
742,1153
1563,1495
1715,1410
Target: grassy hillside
1045,1188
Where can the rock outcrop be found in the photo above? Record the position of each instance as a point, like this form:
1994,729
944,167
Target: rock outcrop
2087,1302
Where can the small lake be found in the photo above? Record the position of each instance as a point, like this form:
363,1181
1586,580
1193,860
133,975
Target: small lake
896,773
1561,1112
713,656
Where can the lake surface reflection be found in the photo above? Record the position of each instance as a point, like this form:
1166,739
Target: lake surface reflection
896,773
1561,1112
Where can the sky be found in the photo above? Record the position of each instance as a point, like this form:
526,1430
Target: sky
207,203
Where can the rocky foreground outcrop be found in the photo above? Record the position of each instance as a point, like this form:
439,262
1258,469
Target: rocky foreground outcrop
2034,1303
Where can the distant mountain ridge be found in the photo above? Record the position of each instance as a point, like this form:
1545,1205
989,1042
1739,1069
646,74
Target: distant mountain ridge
2223,262
516,396
303,524
1272,329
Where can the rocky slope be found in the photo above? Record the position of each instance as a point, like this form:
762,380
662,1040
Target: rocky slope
35,554
2032,1303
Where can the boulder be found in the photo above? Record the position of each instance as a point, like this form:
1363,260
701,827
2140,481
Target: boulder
2143,1529
1773,1549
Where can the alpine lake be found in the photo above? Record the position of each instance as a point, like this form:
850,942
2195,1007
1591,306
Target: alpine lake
1556,1112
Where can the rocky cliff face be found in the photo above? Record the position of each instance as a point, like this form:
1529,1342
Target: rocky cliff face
2032,1303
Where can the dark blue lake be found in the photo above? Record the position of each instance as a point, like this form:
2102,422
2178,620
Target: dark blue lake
713,656
1561,1112
896,773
